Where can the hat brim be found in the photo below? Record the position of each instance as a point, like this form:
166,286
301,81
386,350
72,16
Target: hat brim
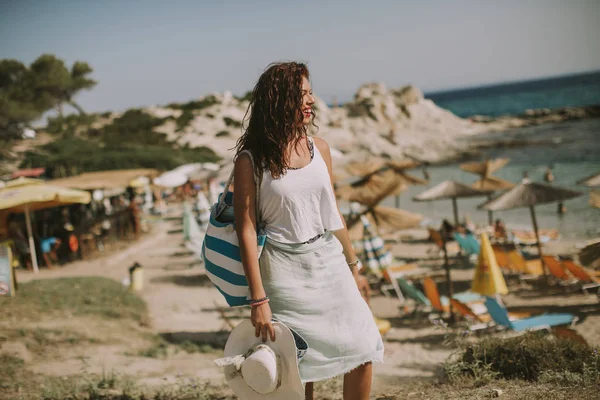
243,338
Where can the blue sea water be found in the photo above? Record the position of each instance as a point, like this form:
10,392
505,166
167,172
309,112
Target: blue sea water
572,148
516,98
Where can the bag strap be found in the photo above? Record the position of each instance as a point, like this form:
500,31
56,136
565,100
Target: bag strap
257,181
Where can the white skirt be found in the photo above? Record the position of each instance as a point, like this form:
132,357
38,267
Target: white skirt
312,291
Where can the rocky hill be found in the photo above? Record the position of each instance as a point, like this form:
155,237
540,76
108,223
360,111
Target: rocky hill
383,122
380,122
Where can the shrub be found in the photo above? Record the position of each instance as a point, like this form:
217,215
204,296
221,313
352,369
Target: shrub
184,120
222,134
232,122
65,157
135,127
529,357
69,124
205,102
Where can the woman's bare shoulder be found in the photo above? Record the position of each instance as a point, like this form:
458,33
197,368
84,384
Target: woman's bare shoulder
321,145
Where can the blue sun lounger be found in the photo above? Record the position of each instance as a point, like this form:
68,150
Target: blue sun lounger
468,243
545,321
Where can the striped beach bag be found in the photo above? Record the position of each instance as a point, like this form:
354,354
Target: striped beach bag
221,251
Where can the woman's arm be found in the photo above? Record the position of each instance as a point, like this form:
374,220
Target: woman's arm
342,234
244,200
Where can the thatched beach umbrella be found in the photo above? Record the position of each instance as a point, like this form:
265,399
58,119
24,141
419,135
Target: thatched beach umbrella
487,182
386,220
449,190
590,181
529,194
372,173
24,195
486,168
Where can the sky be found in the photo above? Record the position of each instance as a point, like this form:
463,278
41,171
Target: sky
156,52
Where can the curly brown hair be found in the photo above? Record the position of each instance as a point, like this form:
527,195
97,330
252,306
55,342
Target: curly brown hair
275,116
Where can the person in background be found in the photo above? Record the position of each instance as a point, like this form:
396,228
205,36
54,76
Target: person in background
500,230
17,235
548,175
447,230
49,246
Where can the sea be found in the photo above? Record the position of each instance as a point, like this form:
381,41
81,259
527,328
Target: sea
571,148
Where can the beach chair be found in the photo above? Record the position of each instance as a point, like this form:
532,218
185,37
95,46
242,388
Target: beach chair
540,322
589,279
404,288
394,272
479,312
502,258
442,303
467,243
452,248
557,270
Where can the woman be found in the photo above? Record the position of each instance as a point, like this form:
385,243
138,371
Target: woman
304,277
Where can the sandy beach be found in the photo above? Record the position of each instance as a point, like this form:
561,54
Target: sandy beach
184,306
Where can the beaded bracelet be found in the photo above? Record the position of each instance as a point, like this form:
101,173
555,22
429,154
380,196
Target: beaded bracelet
259,300
259,303
353,263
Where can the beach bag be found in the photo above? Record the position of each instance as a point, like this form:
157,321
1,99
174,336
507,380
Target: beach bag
221,250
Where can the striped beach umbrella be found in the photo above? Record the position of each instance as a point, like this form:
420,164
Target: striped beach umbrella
377,258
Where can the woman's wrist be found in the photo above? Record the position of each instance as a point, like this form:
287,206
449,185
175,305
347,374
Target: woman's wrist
353,263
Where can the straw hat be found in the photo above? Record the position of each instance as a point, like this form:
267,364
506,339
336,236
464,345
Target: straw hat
259,371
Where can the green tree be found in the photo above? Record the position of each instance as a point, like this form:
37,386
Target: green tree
20,103
79,81
26,93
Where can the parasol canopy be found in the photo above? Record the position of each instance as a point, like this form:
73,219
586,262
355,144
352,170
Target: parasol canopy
449,190
528,194
488,279
386,220
485,168
590,181
377,178
492,184
26,195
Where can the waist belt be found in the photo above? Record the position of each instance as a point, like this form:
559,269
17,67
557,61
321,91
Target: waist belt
314,239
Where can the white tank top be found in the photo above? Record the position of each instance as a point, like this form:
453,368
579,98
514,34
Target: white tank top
300,204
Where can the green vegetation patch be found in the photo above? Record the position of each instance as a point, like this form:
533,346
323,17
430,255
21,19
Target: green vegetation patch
529,357
222,134
184,120
70,124
89,296
205,102
40,340
133,127
71,156
232,122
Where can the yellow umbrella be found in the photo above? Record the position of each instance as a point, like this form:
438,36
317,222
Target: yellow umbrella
26,195
488,279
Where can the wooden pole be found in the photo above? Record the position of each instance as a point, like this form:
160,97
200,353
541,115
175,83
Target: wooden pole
31,242
455,209
538,243
448,277
490,213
